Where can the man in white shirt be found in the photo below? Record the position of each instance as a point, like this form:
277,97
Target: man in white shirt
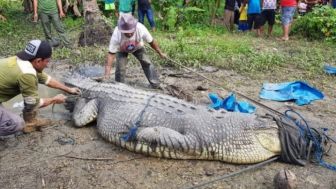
129,37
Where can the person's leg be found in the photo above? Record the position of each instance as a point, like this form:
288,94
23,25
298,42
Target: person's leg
250,18
46,25
227,17
147,67
287,17
263,20
271,21
236,17
231,20
150,17
141,16
284,22
258,20
120,70
60,29
285,29
10,123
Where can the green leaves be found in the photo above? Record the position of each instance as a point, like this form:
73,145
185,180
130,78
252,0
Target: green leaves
318,24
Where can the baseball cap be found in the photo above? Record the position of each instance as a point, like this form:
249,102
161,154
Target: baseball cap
127,23
35,49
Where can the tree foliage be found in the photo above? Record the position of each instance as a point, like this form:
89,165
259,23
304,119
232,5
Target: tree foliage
318,24
179,13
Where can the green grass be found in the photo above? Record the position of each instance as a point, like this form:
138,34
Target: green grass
194,46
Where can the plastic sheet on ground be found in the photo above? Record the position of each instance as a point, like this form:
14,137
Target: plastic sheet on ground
298,91
330,69
230,104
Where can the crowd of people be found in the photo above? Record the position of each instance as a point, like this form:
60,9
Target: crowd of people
255,14
246,14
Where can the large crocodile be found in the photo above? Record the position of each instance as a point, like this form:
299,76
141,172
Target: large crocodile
164,126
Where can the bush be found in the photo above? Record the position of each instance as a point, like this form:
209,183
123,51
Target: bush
318,24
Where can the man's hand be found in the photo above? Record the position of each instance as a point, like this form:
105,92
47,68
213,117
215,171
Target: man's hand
35,17
163,55
106,77
74,90
61,14
59,99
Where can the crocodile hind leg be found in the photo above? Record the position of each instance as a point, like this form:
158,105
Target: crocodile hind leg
165,142
85,112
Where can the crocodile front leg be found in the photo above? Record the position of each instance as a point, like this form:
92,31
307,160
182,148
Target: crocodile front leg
85,112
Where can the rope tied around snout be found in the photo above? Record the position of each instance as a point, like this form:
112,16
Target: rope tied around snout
299,141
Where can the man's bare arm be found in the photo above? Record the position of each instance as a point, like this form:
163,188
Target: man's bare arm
108,66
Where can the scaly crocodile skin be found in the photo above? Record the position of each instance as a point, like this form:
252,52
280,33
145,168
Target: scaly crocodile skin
173,128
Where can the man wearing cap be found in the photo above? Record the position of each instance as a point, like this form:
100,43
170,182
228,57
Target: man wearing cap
51,12
21,74
128,37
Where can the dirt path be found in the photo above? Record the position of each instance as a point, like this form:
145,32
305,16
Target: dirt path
62,156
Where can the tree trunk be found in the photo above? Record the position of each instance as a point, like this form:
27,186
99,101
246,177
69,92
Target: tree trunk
27,6
72,6
213,11
96,29
2,18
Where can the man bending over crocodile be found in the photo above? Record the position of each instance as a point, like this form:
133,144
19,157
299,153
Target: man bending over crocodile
21,74
128,37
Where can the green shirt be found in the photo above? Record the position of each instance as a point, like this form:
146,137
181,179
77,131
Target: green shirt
47,6
20,77
125,6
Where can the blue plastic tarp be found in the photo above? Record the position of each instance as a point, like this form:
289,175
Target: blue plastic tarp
298,91
230,104
330,69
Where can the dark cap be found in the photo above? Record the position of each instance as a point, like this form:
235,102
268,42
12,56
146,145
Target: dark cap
35,49
127,23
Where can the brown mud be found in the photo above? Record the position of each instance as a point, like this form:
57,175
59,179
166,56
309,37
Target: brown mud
62,156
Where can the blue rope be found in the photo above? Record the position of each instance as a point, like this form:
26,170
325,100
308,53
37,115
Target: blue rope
131,135
312,135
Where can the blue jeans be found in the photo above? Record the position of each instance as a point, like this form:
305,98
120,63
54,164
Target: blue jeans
149,14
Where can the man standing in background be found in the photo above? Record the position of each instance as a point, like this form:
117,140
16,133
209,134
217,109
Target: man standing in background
254,18
125,7
333,3
51,12
229,13
268,14
144,8
288,8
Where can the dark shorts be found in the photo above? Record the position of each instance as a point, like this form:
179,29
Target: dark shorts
254,20
268,16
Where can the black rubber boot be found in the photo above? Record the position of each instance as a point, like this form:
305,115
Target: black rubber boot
151,75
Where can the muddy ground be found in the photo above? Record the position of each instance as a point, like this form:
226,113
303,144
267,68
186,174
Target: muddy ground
62,156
